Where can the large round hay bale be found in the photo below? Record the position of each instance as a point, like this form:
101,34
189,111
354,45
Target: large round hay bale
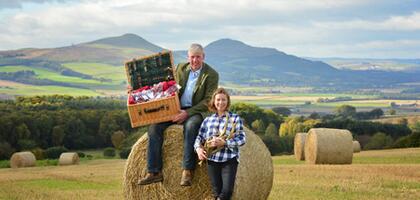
299,146
356,147
254,177
22,159
69,158
328,146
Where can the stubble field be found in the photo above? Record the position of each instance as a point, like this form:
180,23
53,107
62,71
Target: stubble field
384,174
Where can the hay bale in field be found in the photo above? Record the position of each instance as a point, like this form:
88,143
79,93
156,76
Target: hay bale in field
22,159
356,147
328,146
69,158
299,146
254,177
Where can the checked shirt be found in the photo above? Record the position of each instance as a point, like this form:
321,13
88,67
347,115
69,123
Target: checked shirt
214,125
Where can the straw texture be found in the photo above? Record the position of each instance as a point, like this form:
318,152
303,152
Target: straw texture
22,159
254,177
69,158
299,146
328,146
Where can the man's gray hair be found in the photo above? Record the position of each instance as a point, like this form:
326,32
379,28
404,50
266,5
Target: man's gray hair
196,48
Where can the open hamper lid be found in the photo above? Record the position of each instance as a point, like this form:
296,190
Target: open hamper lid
150,70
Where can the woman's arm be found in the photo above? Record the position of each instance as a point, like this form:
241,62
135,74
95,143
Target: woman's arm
200,139
239,138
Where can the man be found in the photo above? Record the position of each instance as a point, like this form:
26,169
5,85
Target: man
198,81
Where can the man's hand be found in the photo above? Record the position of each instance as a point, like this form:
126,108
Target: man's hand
129,89
202,155
180,117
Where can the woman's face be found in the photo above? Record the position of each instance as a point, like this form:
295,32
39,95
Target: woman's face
220,102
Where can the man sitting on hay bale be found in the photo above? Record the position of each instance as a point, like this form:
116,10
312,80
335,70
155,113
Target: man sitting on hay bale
198,81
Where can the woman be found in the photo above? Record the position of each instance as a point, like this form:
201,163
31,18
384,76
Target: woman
218,142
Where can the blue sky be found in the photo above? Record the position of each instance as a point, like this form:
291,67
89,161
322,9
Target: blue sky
306,28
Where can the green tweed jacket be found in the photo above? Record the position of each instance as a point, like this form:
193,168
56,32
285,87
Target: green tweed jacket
206,84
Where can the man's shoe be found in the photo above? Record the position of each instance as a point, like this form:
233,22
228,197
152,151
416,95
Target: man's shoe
151,178
186,179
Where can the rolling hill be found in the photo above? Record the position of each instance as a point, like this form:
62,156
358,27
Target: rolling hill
97,66
232,57
112,50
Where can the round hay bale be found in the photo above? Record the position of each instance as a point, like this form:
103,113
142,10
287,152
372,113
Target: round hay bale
22,159
356,147
69,158
299,146
253,181
328,146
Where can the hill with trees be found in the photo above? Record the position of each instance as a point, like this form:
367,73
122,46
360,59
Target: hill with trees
236,62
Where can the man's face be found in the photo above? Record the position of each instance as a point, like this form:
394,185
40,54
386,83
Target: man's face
196,60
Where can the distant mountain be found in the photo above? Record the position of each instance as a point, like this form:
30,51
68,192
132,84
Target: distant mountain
240,63
128,40
112,50
235,61
232,57
401,65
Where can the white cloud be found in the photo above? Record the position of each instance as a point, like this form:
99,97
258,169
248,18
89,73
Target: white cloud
372,49
393,23
174,24
18,3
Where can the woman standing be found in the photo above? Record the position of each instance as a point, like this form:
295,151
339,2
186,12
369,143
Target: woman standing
218,142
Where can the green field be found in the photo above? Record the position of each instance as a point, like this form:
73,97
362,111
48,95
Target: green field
51,75
12,88
97,88
98,70
382,174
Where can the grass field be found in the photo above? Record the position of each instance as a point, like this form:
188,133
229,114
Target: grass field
51,75
98,70
300,98
298,102
13,88
383,174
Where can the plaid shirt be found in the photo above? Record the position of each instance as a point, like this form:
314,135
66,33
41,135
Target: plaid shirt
212,126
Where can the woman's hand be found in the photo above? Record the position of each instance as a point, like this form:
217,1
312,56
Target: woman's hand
217,142
202,155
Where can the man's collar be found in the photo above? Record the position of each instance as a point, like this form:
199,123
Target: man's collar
196,72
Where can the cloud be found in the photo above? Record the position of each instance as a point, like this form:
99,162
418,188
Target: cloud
371,49
18,3
392,23
301,27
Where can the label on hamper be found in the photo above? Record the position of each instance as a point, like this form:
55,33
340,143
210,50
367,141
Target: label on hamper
157,109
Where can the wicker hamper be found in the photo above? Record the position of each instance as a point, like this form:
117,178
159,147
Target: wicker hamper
147,71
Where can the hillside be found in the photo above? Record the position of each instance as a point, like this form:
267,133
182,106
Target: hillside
396,65
97,66
232,57
112,50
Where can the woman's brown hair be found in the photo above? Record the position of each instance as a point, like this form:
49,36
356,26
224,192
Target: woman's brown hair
220,90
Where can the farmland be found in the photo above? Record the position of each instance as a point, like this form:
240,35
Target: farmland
306,103
13,88
98,70
381,174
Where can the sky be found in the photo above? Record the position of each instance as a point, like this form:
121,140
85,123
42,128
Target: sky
305,28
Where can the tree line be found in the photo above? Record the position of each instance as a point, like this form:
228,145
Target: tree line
43,122
48,121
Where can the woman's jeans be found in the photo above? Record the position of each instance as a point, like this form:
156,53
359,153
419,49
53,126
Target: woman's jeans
154,148
222,176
